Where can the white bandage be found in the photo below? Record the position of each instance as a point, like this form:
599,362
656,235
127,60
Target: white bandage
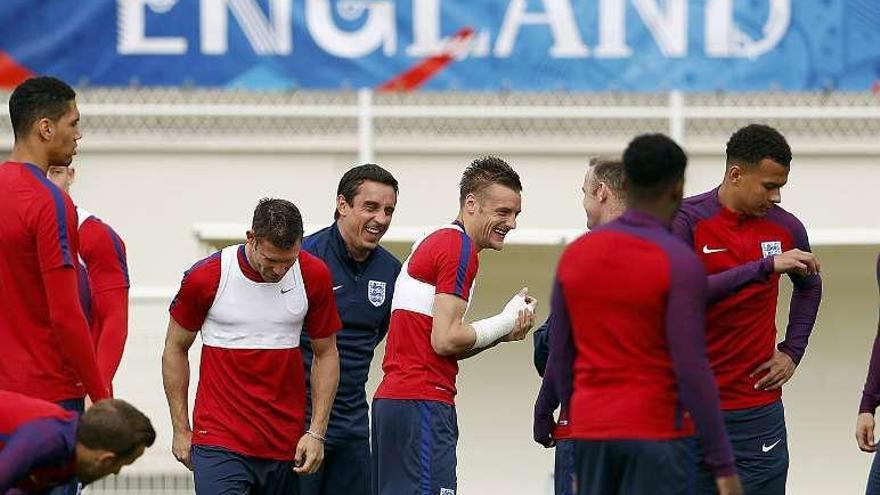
495,327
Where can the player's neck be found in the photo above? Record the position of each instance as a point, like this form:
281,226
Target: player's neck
661,211
249,257
357,254
23,153
614,212
727,198
469,229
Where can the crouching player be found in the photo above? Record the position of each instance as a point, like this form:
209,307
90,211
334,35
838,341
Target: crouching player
43,445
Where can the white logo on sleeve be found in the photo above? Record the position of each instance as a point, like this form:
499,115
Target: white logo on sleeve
336,288
708,250
771,248
447,491
767,448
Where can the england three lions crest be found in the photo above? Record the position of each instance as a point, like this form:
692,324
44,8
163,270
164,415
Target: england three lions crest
771,248
376,292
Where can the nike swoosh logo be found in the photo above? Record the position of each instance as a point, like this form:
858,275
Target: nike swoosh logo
708,250
337,288
285,291
767,448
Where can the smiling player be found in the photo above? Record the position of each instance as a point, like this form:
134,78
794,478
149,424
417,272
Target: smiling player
363,284
415,430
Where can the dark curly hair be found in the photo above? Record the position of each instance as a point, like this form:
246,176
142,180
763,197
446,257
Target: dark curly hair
277,221
485,171
652,162
755,142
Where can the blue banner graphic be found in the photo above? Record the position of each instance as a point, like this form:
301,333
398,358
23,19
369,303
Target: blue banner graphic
480,45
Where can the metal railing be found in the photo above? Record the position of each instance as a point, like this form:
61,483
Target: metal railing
363,121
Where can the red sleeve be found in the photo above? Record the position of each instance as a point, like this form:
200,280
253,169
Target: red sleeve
110,329
103,252
54,225
196,295
455,262
72,331
322,318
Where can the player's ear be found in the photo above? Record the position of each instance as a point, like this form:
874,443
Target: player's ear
104,459
734,174
470,203
250,236
602,192
342,205
45,127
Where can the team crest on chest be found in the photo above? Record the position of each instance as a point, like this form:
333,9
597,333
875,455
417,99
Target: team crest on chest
376,292
771,248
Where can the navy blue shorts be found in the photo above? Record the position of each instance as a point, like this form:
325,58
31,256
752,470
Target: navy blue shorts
414,447
873,487
218,471
611,467
760,446
345,470
564,467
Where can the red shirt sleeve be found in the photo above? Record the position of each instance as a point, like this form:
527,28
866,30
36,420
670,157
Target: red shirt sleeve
322,318
103,252
110,330
196,295
54,225
455,262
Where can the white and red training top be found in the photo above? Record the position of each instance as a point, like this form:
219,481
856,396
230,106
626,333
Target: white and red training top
251,392
444,262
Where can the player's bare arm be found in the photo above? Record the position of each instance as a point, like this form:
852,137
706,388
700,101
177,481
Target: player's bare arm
324,380
451,336
175,377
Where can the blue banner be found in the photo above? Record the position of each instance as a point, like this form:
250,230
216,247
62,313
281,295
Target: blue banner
481,45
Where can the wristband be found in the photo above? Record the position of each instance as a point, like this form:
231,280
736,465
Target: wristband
316,436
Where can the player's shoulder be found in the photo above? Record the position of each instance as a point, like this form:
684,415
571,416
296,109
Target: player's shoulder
90,224
313,267
11,172
444,238
786,219
17,408
316,241
700,206
676,249
386,258
204,269
39,188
